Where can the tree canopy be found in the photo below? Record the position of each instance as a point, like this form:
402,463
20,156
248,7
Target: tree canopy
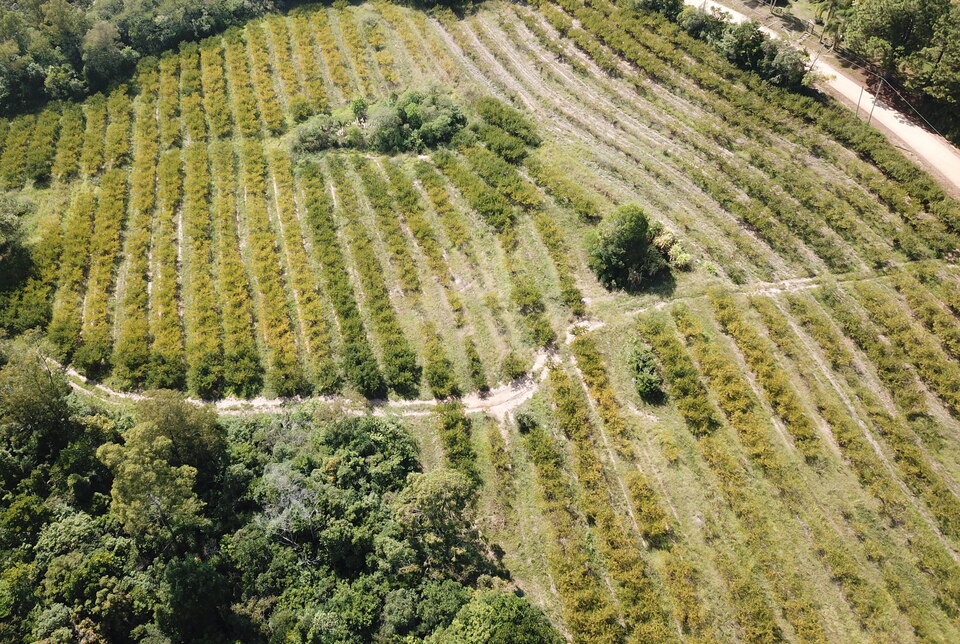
622,253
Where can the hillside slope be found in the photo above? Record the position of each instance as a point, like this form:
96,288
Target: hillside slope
799,480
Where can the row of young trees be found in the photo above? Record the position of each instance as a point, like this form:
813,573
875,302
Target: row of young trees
408,201
191,94
64,328
921,349
297,104
871,602
356,50
912,465
771,377
640,603
96,334
661,42
400,367
283,372
336,65
167,366
359,363
305,53
131,351
909,461
652,520
314,326
377,191
246,117
216,103
203,344
243,368
588,612
789,587
262,77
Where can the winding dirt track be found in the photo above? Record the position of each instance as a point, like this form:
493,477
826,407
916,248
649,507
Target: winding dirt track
936,151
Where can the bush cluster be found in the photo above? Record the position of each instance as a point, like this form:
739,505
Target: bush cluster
454,429
746,46
622,253
645,373
412,122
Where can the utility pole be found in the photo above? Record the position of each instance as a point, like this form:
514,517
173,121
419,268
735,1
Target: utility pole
875,97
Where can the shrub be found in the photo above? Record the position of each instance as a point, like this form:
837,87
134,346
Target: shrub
512,121
454,429
645,373
512,367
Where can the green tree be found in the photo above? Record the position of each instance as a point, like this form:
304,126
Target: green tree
35,413
436,512
888,31
105,58
151,498
621,253
496,617
645,373
195,437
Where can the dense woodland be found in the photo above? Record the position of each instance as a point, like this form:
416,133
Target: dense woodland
167,524
566,321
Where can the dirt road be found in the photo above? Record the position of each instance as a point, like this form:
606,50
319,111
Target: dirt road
936,151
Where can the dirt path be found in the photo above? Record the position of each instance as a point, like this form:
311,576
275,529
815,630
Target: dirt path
934,150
